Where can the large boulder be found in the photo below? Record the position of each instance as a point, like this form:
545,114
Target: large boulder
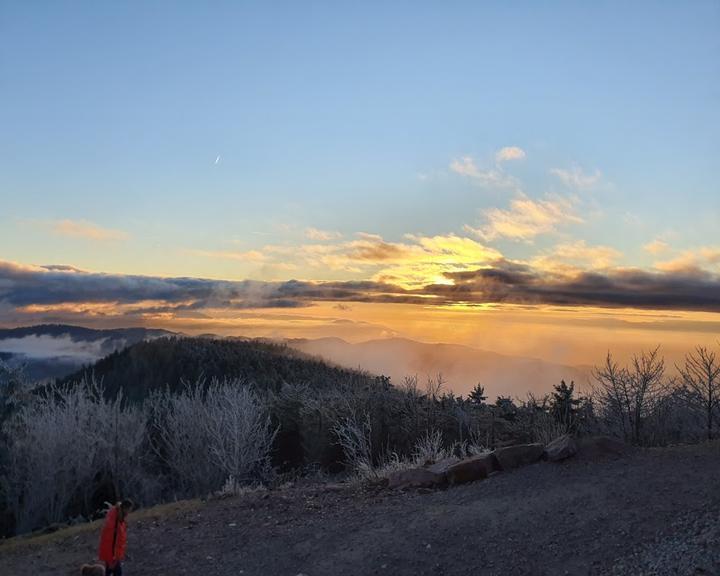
472,469
519,455
561,448
416,478
442,466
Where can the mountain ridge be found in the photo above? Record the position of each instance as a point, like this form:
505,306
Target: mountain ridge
59,350
461,366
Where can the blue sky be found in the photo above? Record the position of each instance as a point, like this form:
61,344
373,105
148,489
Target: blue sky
272,140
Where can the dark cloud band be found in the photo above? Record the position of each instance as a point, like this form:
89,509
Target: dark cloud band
504,282
691,289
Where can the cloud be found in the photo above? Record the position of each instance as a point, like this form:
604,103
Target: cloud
509,153
85,229
433,257
575,177
571,256
706,258
656,247
465,166
510,282
490,178
253,256
527,218
63,346
377,250
39,293
321,235
45,287
415,261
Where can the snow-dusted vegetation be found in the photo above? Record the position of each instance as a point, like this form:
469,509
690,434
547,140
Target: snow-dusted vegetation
68,448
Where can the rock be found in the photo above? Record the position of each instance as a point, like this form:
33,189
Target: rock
561,448
375,483
416,478
442,466
472,469
92,570
54,527
518,455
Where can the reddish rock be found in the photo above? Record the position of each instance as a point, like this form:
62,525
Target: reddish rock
519,455
472,469
416,478
561,448
442,466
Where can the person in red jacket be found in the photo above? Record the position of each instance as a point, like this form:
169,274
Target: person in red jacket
113,538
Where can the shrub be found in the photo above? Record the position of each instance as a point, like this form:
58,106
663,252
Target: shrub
58,443
208,433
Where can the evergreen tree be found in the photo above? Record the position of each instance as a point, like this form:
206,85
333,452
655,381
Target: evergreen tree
506,408
477,395
564,405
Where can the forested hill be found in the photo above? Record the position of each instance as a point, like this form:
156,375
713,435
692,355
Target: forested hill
151,365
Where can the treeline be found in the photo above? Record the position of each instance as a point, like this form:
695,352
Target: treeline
68,448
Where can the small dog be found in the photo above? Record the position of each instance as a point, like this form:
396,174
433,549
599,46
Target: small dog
92,570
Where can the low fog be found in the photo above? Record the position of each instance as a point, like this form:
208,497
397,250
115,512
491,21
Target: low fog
37,347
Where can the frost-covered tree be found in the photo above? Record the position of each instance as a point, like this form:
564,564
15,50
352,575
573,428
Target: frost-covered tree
209,433
629,394
59,441
238,427
179,439
701,375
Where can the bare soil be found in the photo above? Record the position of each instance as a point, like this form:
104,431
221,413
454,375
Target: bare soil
653,511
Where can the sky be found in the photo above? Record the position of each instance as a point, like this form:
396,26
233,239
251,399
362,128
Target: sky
531,178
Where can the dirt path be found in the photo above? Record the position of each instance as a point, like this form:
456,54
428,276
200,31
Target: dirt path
650,512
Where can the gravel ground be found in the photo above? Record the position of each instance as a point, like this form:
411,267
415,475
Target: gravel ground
654,512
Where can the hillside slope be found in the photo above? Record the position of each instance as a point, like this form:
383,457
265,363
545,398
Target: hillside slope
651,512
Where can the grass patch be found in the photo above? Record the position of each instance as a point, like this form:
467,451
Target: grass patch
37,539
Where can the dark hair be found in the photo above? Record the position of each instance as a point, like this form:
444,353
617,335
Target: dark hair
127,505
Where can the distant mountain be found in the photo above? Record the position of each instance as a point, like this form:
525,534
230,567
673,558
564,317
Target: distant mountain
169,362
55,350
462,367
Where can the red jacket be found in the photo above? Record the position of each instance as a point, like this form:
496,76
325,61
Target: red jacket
113,537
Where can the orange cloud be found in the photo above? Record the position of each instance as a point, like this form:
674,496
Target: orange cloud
575,255
417,261
247,256
706,258
85,229
527,218
321,235
656,247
